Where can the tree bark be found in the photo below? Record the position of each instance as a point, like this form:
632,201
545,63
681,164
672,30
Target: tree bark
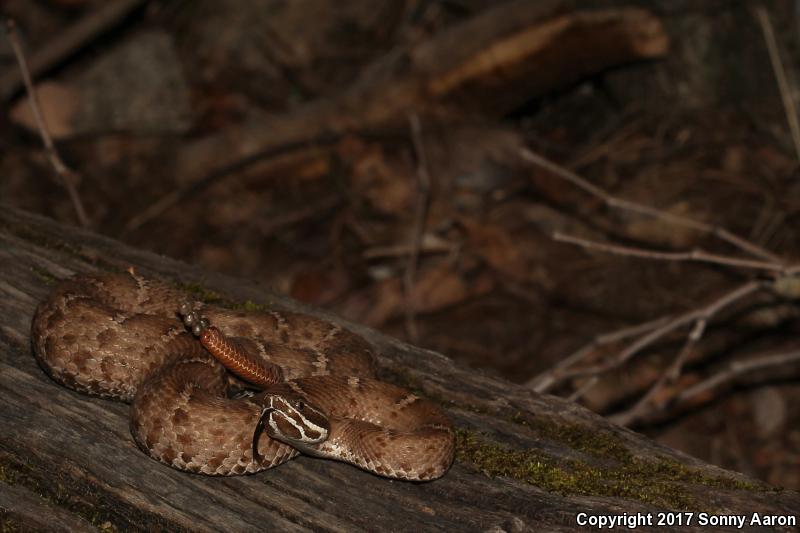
525,463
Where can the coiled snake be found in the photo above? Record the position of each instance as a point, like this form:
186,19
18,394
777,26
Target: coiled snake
120,336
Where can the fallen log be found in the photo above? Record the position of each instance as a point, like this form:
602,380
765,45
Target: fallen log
491,63
484,66
525,462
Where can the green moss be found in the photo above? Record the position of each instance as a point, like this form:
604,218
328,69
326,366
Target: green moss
251,306
401,378
199,292
103,526
49,242
6,476
7,525
46,277
577,437
55,492
662,482
574,436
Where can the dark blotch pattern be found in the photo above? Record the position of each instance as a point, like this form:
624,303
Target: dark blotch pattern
118,336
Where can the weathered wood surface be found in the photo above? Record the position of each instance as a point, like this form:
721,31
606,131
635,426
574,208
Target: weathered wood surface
67,461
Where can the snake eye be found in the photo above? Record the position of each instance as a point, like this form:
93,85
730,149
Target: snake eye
300,405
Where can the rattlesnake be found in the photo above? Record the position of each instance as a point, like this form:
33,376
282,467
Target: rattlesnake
120,336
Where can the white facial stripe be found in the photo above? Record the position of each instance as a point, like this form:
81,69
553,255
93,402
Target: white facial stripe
302,429
306,424
272,423
289,412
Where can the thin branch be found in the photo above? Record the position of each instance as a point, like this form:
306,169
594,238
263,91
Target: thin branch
673,324
267,227
586,387
68,42
67,176
780,76
179,195
428,246
671,374
631,415
674,372
614,202
545,380
625,355
421,213
697,254
735,369
632,349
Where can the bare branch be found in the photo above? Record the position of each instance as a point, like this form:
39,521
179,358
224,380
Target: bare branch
583,389
544,381
652,331
613,202
67,176
311,210
673,324
734,370
697,255
420,214
671,374
69,41
780,76
179,195
431,244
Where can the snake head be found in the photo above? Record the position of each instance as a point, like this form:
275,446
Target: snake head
292,420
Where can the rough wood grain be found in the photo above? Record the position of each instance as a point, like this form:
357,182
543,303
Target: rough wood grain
75,452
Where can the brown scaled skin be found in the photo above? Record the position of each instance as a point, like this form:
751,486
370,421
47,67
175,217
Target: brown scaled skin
374,425
118,336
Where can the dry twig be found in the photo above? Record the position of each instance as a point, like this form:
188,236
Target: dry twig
780,76
68,42
430,245
180,194
634,207
420,214
546,380
669,326
268,227
697,254
735,369
715,381
67,176
673,372
652,331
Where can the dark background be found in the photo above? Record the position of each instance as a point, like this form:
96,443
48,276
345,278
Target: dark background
700,132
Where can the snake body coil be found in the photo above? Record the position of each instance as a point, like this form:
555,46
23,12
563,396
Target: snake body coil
119,336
